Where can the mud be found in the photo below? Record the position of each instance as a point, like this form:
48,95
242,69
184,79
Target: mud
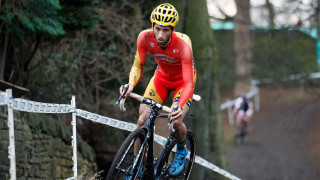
284,143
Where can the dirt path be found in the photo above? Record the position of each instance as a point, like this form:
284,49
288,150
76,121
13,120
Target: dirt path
285,140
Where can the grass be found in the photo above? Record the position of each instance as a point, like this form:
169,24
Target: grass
87,175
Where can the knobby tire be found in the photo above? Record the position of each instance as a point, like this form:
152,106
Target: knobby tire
191,141
127,145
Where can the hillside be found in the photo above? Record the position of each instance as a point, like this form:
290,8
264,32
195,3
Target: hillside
285,139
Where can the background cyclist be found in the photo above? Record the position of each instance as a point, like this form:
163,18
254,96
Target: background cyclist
175,72
242,113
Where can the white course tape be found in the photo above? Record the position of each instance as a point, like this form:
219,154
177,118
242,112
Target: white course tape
231,103
3,98
314,75
106,120
38,107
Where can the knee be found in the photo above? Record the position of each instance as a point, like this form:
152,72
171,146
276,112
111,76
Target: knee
140,122
179,126
142,119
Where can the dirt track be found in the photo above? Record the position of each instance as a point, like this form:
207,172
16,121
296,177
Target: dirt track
284,143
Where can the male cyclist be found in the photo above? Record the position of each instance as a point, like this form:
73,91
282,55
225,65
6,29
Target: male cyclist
242,112
175,72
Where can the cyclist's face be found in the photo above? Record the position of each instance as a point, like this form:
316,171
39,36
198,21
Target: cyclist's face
162,34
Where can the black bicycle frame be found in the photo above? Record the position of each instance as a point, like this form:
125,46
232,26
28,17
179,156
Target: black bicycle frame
153,170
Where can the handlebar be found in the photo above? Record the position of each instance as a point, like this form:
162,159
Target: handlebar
142,99
151,103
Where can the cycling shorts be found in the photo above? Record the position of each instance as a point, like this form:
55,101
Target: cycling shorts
159,89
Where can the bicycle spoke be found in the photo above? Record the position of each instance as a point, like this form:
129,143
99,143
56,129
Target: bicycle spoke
125,164
125,154
190,143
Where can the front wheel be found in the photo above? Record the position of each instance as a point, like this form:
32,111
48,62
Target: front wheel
169,155
125,164
241,133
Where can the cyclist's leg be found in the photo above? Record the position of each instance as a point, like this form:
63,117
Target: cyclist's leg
178,163
245,127
156,92
181,131
144,112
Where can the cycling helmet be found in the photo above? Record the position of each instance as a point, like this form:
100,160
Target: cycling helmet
165,15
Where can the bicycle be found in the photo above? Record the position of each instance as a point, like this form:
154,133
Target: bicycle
241,133
126,166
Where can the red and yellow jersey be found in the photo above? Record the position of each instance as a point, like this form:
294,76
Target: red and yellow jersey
175,62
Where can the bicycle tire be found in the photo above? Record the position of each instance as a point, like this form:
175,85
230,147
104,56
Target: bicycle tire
241,133
165,162
125,150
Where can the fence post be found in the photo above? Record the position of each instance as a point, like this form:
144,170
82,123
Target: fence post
257,99
11,148
230,113
74,139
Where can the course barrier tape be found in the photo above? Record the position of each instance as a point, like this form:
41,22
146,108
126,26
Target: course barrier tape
314,75
231,103
106,120
39,107
3,98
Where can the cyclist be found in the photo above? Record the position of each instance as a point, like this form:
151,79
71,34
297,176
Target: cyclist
242,112
175,72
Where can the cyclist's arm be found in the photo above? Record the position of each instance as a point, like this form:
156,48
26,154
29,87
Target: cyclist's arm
250,110
187,73
138,64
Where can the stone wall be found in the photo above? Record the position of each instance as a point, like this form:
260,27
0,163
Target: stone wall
43,147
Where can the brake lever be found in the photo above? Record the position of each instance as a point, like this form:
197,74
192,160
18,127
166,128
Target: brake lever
170,123
124,91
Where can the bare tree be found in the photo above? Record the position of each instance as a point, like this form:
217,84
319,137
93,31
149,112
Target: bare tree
271,14
242,46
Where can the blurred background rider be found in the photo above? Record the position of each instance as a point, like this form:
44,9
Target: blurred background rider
242,113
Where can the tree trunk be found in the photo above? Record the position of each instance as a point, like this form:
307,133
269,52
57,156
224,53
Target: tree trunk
206,120
3,55
271,14
242,47
318,18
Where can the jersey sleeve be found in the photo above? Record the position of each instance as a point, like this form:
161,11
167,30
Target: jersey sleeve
238,102
187,74
139,60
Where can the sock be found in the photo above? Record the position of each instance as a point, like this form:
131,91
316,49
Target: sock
182,145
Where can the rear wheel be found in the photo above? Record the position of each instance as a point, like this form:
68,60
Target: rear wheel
241,132
122,165
169,155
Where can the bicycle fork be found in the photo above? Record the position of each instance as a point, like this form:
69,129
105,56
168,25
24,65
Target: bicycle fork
159,167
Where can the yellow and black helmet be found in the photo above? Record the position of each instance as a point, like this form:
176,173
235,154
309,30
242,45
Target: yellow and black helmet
165,15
